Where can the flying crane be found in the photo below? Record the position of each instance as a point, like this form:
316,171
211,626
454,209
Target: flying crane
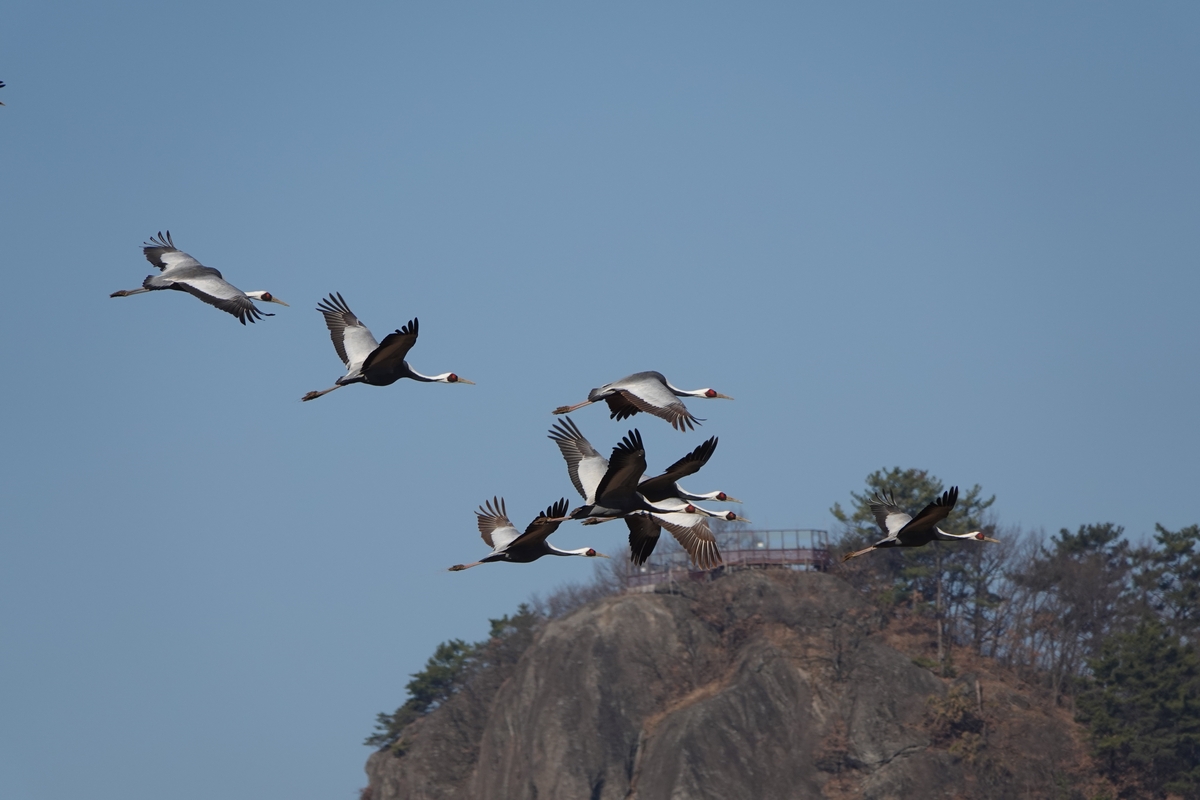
368,361
521,548
904,531
646,391
672,508
183,273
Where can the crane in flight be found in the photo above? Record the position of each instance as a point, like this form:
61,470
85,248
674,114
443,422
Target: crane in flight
181,272
646,391
368,361
901,530
685,521
521,548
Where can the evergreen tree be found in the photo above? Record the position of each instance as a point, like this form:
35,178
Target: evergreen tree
449,670
1142,708
1168,579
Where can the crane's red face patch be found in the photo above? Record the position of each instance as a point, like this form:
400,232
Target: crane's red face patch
690,509
731,516
452,378
710,393
267,296
722,496
591,552
980,536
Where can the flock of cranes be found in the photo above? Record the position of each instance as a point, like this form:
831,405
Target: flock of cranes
612,488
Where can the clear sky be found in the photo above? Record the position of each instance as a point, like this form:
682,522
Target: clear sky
946,236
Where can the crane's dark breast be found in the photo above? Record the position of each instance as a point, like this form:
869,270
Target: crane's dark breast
376,378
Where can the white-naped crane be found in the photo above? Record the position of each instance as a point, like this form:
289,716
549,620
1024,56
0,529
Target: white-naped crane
901,530
368,361
650,392
181,272
520,548
588,469
616,493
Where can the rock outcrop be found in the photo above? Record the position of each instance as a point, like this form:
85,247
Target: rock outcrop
754,685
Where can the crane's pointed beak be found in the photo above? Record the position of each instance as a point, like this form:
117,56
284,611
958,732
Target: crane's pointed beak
277,300
990,539
729,499
722,396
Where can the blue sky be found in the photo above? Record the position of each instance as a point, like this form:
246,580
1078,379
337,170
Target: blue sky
931,235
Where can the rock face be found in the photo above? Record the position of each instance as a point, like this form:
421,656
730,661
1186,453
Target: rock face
755,685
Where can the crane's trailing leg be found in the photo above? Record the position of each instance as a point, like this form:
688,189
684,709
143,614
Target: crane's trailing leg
127,292
569,409
857,553
315,395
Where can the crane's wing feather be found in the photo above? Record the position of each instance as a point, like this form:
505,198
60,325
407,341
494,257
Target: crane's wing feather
644,531
688,465
162,253
625,465
391,352
214,290
351,339
494,525
543,525
584,464
673,411
694,535
933,513
888,516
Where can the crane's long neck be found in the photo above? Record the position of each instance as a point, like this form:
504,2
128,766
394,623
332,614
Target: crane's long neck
675,390
554,551
719,497
941,534
409,372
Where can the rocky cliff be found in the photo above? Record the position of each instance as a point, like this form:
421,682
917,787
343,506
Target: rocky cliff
755,685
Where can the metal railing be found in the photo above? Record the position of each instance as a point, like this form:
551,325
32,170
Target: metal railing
803,549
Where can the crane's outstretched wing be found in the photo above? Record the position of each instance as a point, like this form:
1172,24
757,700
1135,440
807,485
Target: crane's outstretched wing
888,516
543,525
351,339
932,514
688,465
494,526
644,531
625,466
162,253
215,291
624,404
694,535
584,464
391,352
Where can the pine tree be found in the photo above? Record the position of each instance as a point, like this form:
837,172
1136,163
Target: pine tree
1142,708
